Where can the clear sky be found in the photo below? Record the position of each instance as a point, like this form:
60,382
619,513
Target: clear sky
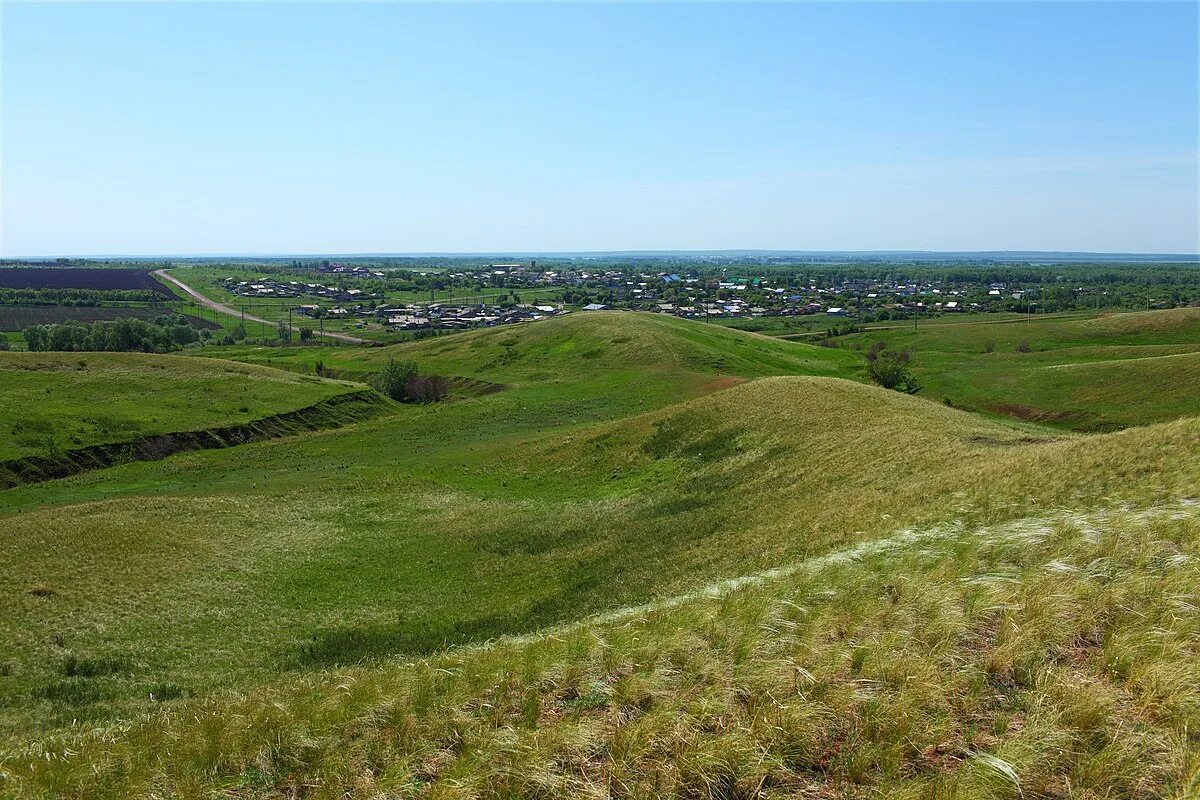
169,128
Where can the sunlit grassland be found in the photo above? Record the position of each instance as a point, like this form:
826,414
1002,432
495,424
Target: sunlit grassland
233,566
591,464
60,401
575,347
1051,656
1088,374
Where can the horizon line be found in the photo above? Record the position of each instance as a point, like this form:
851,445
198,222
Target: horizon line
621,252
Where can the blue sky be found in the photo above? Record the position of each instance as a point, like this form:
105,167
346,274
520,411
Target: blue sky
390,127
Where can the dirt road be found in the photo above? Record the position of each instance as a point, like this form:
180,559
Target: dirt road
224,309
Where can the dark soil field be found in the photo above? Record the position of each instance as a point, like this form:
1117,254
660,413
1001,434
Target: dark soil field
69,278
18,318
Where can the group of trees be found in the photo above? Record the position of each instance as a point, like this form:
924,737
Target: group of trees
73,297
159,335
401,381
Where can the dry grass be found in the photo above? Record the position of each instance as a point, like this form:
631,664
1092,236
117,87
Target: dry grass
1055,657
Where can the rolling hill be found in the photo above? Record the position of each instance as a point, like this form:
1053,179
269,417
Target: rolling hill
1086,374
714,569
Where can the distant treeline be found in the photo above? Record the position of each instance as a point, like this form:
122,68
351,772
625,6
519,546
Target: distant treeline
74,297
159,335
1146,274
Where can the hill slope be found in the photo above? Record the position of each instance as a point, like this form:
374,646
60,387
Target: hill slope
998,661
564,348
61,401
591,485
1093,374
403,555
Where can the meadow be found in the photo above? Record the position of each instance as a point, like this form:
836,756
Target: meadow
1085,373
631,555
61,401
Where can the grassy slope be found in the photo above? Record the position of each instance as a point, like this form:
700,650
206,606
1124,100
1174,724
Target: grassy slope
1045,657
1106,391
339,531
60,401
365,559
500,514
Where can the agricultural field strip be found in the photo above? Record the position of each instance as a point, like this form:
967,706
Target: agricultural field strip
1025,529
63,278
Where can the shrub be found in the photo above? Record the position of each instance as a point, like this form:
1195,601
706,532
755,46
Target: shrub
426,388
392,380
989,347
891,372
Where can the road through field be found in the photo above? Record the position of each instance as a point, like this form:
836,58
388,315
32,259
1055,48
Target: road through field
224,309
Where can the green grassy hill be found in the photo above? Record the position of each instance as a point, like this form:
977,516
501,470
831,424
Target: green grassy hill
62,401
273,616
1086,374
577,344
983,657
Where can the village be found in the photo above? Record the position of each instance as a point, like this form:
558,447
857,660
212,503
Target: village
358,292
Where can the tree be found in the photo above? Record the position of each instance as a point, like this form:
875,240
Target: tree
306,334
285,332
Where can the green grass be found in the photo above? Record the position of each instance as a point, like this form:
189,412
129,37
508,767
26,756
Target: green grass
1086,374
598,462
62,401
335,547
1048,657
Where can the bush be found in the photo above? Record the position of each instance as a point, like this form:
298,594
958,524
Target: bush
1023,346
400,380
989,347
306,334
392,380
891,371
427,388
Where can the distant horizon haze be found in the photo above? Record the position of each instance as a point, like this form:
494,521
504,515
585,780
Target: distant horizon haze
881,255
275,128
